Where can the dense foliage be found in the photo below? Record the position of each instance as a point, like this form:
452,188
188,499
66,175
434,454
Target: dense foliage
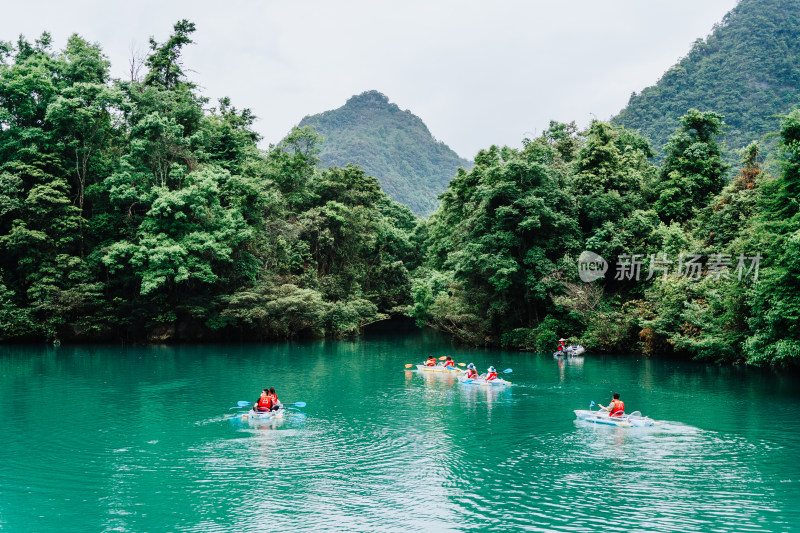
391,144
746,70
699,265
130,209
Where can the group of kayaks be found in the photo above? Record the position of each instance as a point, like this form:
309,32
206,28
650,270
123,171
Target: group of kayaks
444,368
625,420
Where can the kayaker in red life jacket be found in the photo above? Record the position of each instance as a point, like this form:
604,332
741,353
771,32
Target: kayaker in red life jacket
561,345
264,402
431,361
615,408
471,372
492,374
449,362
276,404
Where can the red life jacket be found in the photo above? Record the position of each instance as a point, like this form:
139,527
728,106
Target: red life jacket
431,362
274,398
561,346
472,373
264,403
491,376
617,408
451,364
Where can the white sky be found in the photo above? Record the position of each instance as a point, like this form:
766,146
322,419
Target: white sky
477,73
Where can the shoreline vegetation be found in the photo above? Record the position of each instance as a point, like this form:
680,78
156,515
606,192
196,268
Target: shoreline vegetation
137,210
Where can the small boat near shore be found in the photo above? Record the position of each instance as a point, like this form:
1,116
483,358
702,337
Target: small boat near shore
572,350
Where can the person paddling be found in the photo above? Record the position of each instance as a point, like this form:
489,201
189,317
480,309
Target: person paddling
431,361
615,408
472,373
264,402
492,374
449,362
276,404
561,345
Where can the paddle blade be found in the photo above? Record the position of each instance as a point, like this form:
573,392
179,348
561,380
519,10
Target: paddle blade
442,358
299,404
243,404
462,364
409,365
591,405
470,380
507,371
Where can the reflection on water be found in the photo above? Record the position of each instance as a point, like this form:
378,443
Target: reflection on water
145,440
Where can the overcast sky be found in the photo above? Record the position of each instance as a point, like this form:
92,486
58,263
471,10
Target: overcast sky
477,73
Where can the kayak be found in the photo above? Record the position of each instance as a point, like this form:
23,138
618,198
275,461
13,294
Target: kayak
439,369
635,419
263,415
570,351
499,382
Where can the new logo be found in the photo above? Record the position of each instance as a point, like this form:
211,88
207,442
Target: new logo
591,266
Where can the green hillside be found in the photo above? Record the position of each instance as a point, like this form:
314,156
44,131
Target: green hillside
393,145
748,70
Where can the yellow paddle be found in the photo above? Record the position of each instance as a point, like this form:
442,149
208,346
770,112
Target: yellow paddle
409,365
461,364
442,358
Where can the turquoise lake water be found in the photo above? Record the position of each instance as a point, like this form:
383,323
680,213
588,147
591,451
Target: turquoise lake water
109,438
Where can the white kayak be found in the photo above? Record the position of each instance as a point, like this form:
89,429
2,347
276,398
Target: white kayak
263,415
498,382
439,369
635,419
570,351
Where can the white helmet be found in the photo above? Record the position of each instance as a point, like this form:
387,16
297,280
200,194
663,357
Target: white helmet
491,369
471,366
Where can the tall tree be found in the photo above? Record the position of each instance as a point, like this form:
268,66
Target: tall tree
775,299
693,170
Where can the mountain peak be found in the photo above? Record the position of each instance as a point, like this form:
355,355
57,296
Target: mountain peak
373,98
393,145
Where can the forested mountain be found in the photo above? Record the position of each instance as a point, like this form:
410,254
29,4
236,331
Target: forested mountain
393,145
135,210
747,70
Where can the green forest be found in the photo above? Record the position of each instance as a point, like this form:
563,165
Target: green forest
501,254
393,145
136,210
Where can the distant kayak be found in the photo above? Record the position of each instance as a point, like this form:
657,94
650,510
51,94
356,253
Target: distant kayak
499,382
635,419
439,369
570,351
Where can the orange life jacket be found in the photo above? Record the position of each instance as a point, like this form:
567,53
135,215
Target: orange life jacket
449,363
617,408
431,362
491,376
274,398
264,402
472,373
